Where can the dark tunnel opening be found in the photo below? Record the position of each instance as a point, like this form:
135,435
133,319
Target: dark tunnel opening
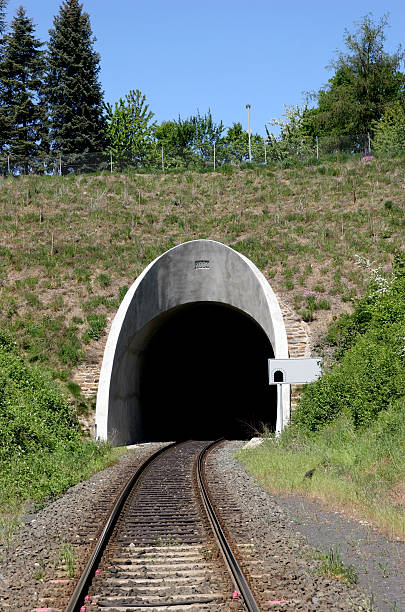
204,376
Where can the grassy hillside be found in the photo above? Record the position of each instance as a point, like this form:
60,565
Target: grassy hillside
71,245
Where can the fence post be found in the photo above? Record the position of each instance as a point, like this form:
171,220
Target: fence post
317,148
8,163
163,163
214,155
60,164
369,143
265,151
111,163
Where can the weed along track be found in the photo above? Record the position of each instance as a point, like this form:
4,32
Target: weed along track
161,548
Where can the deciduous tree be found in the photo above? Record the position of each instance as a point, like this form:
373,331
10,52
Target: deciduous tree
130,128
366,80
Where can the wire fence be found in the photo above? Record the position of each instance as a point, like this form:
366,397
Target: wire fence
211,156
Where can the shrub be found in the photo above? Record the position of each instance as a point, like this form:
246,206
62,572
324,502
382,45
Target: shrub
371,348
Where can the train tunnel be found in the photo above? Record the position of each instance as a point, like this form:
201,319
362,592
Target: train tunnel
187,352
204,375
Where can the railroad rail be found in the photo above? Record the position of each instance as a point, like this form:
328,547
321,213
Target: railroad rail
163,547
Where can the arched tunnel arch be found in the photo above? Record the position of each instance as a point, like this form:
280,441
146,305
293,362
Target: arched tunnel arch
186,356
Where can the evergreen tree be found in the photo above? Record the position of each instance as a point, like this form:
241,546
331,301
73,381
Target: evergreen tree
21,72
73,92
3,4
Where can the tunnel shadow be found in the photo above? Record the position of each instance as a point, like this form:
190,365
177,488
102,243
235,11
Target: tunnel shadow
204,376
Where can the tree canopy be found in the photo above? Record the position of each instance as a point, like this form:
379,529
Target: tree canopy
129,127
21,74
367,79
73,92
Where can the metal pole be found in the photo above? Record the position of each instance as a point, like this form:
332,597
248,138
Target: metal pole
60,164
265,152
163,163
317,148
250,146
214,155
8,163
279,424
111,165
369,143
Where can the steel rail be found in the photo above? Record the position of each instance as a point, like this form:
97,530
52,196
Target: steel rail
77,598
232,564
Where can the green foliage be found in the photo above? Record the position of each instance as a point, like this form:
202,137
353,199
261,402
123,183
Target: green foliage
366,80
72,90
206,134
103,280
3,5
295,139
34,417
21,105
189,142
97,325
128,127
352,468
332,565
371,348
389,132
41,450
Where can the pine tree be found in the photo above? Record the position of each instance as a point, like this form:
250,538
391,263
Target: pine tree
3,4
22,109
73,92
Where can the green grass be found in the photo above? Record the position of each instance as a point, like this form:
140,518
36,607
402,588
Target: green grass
332,565
358,471
41,450
347,439
70,244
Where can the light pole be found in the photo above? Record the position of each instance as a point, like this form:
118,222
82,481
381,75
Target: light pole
250,146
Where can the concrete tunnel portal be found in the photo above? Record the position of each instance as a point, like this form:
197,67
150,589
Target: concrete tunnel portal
187,352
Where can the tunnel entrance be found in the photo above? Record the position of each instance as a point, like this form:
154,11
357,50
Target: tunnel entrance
186,355
203,375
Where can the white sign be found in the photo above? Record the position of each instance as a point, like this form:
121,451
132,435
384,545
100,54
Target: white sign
294,371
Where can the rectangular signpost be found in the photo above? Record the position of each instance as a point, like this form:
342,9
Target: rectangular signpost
291,372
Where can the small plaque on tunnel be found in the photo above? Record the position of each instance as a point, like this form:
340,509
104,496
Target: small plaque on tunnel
201,264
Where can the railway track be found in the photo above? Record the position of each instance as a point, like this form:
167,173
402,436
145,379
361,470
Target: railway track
163,547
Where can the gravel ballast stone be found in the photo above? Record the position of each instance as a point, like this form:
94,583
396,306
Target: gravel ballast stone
282,522
282,531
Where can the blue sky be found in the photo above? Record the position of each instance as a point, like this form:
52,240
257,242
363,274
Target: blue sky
218,54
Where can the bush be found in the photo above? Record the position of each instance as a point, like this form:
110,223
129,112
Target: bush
34,416
41,450
369,376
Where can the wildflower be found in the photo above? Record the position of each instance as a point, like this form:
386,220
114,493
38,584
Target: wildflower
308,293
97,572
236,595
87,598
